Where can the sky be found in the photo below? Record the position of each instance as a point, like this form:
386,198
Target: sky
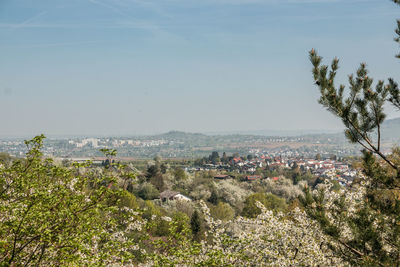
126,67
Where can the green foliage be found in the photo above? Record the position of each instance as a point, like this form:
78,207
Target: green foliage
127,199
158,182
153,171
394,91
182,223
362,111
214,158
397,31
224,158
196,225
374,238
179,174
155,176
222,211
150,209
270,201
5,158
147,191
214,198
51,215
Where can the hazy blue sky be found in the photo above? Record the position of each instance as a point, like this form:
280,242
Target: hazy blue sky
138,66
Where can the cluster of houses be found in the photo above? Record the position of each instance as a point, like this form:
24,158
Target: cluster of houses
236,164
326,168
248,178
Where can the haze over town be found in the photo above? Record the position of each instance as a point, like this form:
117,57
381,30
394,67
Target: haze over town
102,67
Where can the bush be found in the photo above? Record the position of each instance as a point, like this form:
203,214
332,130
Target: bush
148,192
222,211
269,201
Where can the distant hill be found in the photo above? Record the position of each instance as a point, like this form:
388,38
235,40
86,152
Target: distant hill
180,135
267,132
390,132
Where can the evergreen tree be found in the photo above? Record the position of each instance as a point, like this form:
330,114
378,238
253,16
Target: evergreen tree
158,182
153,171
214,157
224,158
214,197
196,226
374,235
163,168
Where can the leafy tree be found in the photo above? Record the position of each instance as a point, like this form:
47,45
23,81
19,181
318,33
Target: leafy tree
179,174
222,211
148,192
214,158
53,216
270,201
372,234
127,199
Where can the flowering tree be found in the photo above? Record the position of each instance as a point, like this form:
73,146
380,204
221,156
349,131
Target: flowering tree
51,215
291,239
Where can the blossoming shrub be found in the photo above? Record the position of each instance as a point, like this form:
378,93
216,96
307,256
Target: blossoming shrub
51,215
269,240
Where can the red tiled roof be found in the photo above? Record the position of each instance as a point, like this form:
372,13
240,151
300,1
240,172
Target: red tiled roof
253,177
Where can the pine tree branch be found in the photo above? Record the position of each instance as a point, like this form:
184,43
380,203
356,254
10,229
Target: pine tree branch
329,98
376,151
357,252
378,125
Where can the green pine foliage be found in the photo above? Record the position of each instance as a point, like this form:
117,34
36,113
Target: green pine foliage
196,225
374,235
